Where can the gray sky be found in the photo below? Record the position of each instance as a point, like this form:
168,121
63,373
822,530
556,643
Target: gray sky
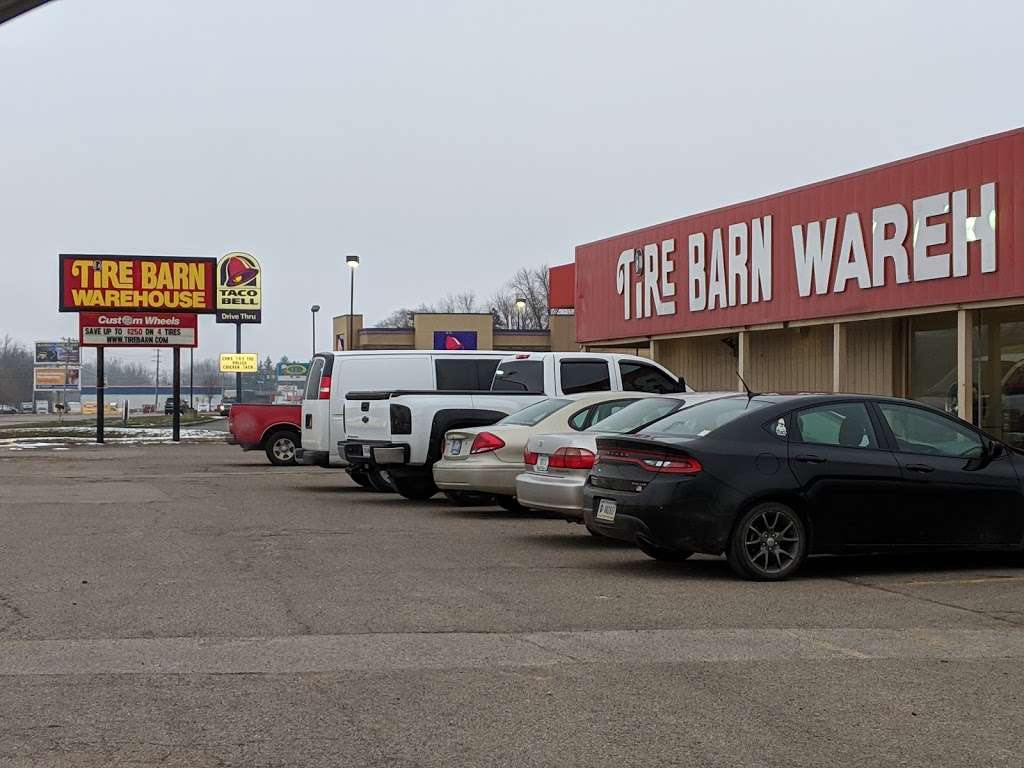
448,143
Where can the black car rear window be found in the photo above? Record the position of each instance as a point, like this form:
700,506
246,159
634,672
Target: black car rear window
519,376
704,418
637,414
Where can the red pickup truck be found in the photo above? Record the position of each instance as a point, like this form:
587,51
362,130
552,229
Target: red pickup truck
274,429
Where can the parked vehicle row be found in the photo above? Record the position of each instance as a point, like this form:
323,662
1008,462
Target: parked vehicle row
402,431
624,447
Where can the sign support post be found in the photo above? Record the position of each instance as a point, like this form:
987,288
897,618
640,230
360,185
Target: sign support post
176,394
100,408
238,350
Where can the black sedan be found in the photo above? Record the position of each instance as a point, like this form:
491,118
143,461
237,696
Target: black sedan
770,479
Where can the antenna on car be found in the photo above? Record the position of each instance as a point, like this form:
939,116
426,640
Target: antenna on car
751,394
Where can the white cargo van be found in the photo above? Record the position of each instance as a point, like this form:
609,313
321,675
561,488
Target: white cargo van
334,374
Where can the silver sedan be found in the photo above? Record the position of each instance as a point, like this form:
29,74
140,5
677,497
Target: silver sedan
557,465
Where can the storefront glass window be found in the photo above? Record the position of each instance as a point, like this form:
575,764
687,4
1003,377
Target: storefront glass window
999,373
933,360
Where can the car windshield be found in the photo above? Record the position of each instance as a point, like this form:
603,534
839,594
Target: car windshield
637,415
703,418
534,414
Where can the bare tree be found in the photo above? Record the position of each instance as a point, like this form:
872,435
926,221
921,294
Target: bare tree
458,303
402,318
207,373
16,361
530,286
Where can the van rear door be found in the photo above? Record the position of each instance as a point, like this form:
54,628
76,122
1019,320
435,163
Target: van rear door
316,405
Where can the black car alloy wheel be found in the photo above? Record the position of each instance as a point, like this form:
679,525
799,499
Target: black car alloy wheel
768,543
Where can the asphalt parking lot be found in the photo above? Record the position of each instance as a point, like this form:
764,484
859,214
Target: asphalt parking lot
191,605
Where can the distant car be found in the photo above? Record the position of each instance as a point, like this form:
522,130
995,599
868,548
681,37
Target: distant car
488,459
28,407
222,409
184,407
8,409
768,479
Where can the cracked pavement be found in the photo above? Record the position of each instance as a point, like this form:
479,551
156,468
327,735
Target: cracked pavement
191,605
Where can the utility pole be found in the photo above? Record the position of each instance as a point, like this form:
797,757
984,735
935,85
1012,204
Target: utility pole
156,384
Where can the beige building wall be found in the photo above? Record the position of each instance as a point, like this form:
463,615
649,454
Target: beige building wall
870,357
707,363
563,333
561,337
791,359
427,324
387,338
340,329
529,341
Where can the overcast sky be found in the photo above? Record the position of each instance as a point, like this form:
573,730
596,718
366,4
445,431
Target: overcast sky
448,143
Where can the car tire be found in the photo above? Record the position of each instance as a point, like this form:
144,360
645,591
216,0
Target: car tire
414,488
772,531
280,448
664,554
360,477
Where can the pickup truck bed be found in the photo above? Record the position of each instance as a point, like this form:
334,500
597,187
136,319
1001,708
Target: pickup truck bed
273,429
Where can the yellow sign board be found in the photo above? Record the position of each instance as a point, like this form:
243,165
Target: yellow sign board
241,362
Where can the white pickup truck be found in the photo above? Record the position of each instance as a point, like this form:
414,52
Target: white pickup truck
401,432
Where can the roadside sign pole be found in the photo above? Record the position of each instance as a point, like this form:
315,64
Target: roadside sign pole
99,395
238,349
176,418
191,392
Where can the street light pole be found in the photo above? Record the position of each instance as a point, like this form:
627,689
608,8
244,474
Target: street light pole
314,309
520,308
352,262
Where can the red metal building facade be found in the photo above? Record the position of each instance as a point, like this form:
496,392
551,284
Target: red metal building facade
945,226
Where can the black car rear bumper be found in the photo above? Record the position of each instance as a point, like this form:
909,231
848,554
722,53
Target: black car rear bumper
670,513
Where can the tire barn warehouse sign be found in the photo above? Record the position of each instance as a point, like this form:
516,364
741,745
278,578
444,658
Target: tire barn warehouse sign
136,329
137,283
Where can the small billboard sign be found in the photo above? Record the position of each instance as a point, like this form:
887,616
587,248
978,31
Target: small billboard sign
452,340
53,378
57,353
239,362
137,329
292,372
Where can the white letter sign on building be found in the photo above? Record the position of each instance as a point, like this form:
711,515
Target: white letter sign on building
917,233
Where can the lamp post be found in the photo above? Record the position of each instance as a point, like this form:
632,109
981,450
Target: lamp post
520,308
314,309
352,262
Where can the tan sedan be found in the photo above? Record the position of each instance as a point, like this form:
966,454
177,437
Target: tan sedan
486,460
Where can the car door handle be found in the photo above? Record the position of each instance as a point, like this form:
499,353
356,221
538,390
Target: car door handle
811,458
920,467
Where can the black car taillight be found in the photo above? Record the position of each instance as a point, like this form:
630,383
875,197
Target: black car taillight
401,420
668,462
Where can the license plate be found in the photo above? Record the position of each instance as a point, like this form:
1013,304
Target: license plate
366,451
542,463
606,511
456,448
